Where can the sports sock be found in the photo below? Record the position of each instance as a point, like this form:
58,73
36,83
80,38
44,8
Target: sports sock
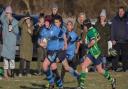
74,73
108,76
57,78
49,76
82,79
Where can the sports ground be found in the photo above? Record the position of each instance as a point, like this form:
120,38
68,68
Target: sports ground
94,81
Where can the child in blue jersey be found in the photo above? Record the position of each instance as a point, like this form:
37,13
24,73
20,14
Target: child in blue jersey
72,49
61,55
52,34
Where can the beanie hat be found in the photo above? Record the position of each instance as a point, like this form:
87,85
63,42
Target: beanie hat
8,9
48,18
103,12
54,5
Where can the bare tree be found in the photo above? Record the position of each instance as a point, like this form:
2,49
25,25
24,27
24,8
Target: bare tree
28,5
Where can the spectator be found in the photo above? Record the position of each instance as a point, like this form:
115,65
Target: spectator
119,36
54,12
9,33
41,52
104,30
26,45
1,40
81,33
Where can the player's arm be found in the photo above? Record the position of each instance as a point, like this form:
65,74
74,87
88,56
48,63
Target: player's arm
41,41
65,41
92,42
94,38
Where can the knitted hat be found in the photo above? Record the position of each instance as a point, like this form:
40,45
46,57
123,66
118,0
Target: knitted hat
8,9
54,5
48,18
103,12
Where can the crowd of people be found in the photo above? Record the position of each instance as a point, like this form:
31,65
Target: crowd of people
67,42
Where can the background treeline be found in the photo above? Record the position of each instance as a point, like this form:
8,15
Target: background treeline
66,7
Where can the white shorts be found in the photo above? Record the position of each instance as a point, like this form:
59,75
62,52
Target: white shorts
9,64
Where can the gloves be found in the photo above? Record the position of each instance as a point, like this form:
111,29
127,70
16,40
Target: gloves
112,52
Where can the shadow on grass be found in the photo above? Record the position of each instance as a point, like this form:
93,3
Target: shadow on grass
32,71
32,87
39,86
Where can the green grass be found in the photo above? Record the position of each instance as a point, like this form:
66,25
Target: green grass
94,81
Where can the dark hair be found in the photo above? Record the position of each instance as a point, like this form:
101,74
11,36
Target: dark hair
121,7
58,17
41,15
87,23
48,18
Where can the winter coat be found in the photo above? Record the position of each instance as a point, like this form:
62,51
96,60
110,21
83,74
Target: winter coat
119,29
104,32
26,44
9,38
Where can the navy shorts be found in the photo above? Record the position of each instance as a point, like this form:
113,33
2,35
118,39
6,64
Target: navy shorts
61,55
54,55
73,63
94,60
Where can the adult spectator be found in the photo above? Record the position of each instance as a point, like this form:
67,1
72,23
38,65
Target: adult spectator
119,36
54,10
81,32
26,45
104,30
9,34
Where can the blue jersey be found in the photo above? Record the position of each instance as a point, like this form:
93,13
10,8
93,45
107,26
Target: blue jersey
61,38
72,39
52,35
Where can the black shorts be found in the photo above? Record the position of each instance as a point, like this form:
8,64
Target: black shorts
82,51
73,63
54,55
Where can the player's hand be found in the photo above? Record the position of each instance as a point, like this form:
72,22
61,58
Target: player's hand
42,43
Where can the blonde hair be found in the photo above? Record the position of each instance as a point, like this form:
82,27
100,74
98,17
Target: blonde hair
82,14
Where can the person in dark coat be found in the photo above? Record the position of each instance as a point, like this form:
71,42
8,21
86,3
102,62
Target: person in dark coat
119,37
9,34
104,30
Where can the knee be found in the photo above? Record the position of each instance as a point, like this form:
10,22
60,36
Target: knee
100,70
53,67
83,66
45,66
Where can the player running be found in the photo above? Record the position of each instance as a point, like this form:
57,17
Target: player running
93,56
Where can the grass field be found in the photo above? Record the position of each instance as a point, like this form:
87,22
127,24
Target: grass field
94,81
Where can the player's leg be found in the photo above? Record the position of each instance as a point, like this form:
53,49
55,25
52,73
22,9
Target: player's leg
57,76
48,72
107,75
70,69
63,71
87,61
